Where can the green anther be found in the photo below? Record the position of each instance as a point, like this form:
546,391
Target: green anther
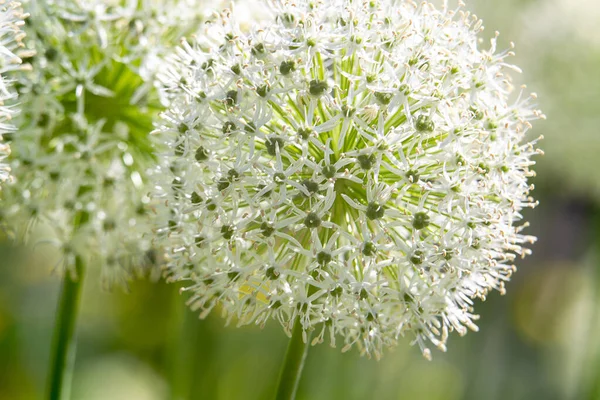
279,178
492,125
228,127
484,168
366,161
329,171
375,211
109,225
227,231
259,50
287,66
236,69
263,90
233,175
176,184
199,241
272,273
448,253
196,198
288,18
211,205
231,98
266,229
201,96
250,127
424,123
207,64
312,220
317,87
305,133
405,89
180,149
477,114
273,143
311,186
388,42
323,258
369,249
260,187
183,128
337,292
384,98
420,220
356,39
201,154
275,305
417,257
233,275
412,176
51,54
223,184
348,111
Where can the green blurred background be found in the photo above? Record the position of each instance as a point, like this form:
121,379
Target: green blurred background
540,341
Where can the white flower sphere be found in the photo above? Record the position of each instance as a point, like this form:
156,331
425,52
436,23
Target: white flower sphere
81,155
353,165
11,36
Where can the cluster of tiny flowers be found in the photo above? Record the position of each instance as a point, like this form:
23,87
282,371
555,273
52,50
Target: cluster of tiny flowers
354,166
81,157
11,20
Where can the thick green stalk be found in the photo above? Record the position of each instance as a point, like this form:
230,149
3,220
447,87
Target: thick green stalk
64,344
291,371
182,349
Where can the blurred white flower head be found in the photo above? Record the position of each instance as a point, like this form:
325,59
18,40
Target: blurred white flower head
81,155
12,19
358,165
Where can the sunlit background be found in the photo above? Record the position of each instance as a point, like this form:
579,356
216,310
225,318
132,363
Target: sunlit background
539,341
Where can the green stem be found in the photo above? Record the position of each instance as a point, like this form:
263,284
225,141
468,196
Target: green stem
182,349
293,364
64,344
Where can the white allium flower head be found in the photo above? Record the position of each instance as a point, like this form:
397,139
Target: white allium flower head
81,157
355,165
12,19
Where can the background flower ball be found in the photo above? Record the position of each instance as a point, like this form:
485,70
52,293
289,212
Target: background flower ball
357,166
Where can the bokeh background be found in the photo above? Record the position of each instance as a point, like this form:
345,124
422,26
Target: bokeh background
539,341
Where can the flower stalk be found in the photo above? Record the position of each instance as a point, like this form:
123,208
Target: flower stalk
64,343
293,364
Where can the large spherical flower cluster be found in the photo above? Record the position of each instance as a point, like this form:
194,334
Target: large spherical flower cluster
353,165
11,36
81,157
